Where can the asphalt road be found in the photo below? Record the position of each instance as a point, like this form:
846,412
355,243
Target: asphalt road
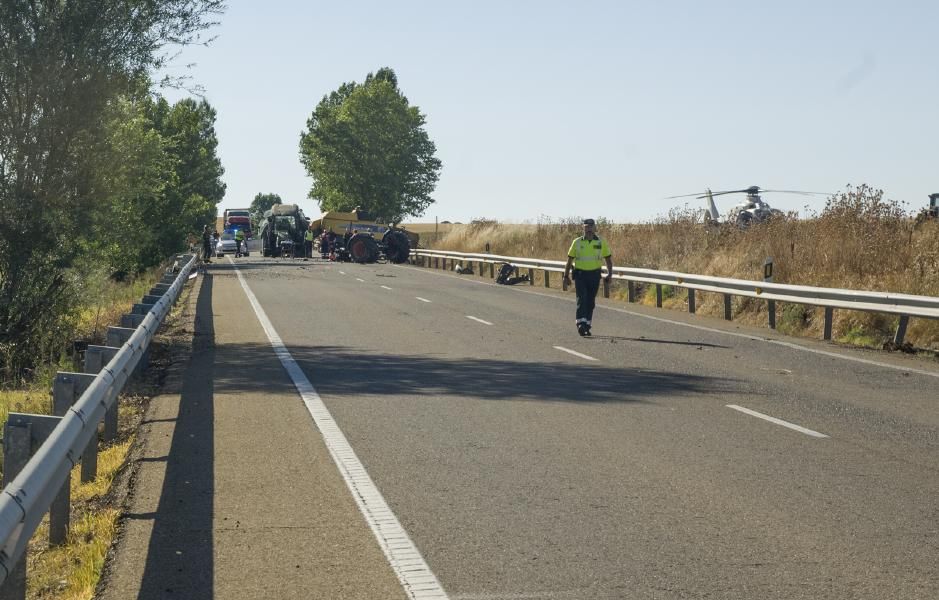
669,456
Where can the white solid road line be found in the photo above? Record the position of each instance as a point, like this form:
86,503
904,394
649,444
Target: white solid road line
575,353
386,287
418,580
751,337
793,426
478,320
422,299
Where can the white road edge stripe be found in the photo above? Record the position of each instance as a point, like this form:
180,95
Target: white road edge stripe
478,320
422,299
759,415
418,580
386,287
578,354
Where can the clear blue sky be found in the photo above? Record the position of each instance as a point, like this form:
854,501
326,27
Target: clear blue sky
593,108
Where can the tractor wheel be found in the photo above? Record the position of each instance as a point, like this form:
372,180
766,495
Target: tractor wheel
363,248
397,246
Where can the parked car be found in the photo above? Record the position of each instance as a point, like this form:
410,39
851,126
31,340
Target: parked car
226,244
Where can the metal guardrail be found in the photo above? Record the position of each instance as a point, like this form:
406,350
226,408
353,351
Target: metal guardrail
26,499
905,305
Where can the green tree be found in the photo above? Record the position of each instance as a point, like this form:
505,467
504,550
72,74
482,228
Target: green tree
262,203
366,146
62,65
191,202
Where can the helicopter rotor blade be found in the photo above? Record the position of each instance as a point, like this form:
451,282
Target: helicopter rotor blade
800,192
727,192
696,195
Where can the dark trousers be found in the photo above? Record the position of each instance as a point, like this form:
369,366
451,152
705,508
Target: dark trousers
308,248
586,284
206,250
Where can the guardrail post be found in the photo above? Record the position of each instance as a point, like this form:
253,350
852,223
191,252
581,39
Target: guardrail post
141,308
157,291
658,295
67,388
547,279
96,357
16,451
531,276
691,306
148,299
33,431
771,309
492,270
728,307
606,287
901,329
630,291
829,314
132,320
118,336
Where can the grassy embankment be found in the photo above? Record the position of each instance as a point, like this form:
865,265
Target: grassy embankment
71,571
854,247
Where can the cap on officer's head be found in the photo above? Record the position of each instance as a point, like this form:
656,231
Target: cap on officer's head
589,222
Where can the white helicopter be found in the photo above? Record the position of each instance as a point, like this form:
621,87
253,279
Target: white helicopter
751,210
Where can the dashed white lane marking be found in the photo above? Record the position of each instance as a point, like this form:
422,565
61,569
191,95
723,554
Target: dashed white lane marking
478,320
385,287
753,338
422,299
362,280
418,580
574,352
793,426
342,272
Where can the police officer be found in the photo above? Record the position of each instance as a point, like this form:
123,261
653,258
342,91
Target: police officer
239,240
308,242
206,244
585,256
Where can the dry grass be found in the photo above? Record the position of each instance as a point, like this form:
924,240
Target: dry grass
71,571
859,242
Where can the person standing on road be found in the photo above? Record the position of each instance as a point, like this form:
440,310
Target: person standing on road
586,255
308,242
239,240
206,244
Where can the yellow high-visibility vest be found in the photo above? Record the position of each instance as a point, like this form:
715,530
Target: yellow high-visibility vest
588,255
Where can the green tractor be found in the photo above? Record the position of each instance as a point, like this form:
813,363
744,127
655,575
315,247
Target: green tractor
281,231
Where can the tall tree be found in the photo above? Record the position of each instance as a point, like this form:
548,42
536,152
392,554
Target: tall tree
189,127
262,203
366,146
61,65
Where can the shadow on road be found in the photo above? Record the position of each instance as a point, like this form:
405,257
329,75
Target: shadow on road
179,562
339,371
616,338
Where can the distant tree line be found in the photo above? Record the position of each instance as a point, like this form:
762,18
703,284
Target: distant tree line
98,175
